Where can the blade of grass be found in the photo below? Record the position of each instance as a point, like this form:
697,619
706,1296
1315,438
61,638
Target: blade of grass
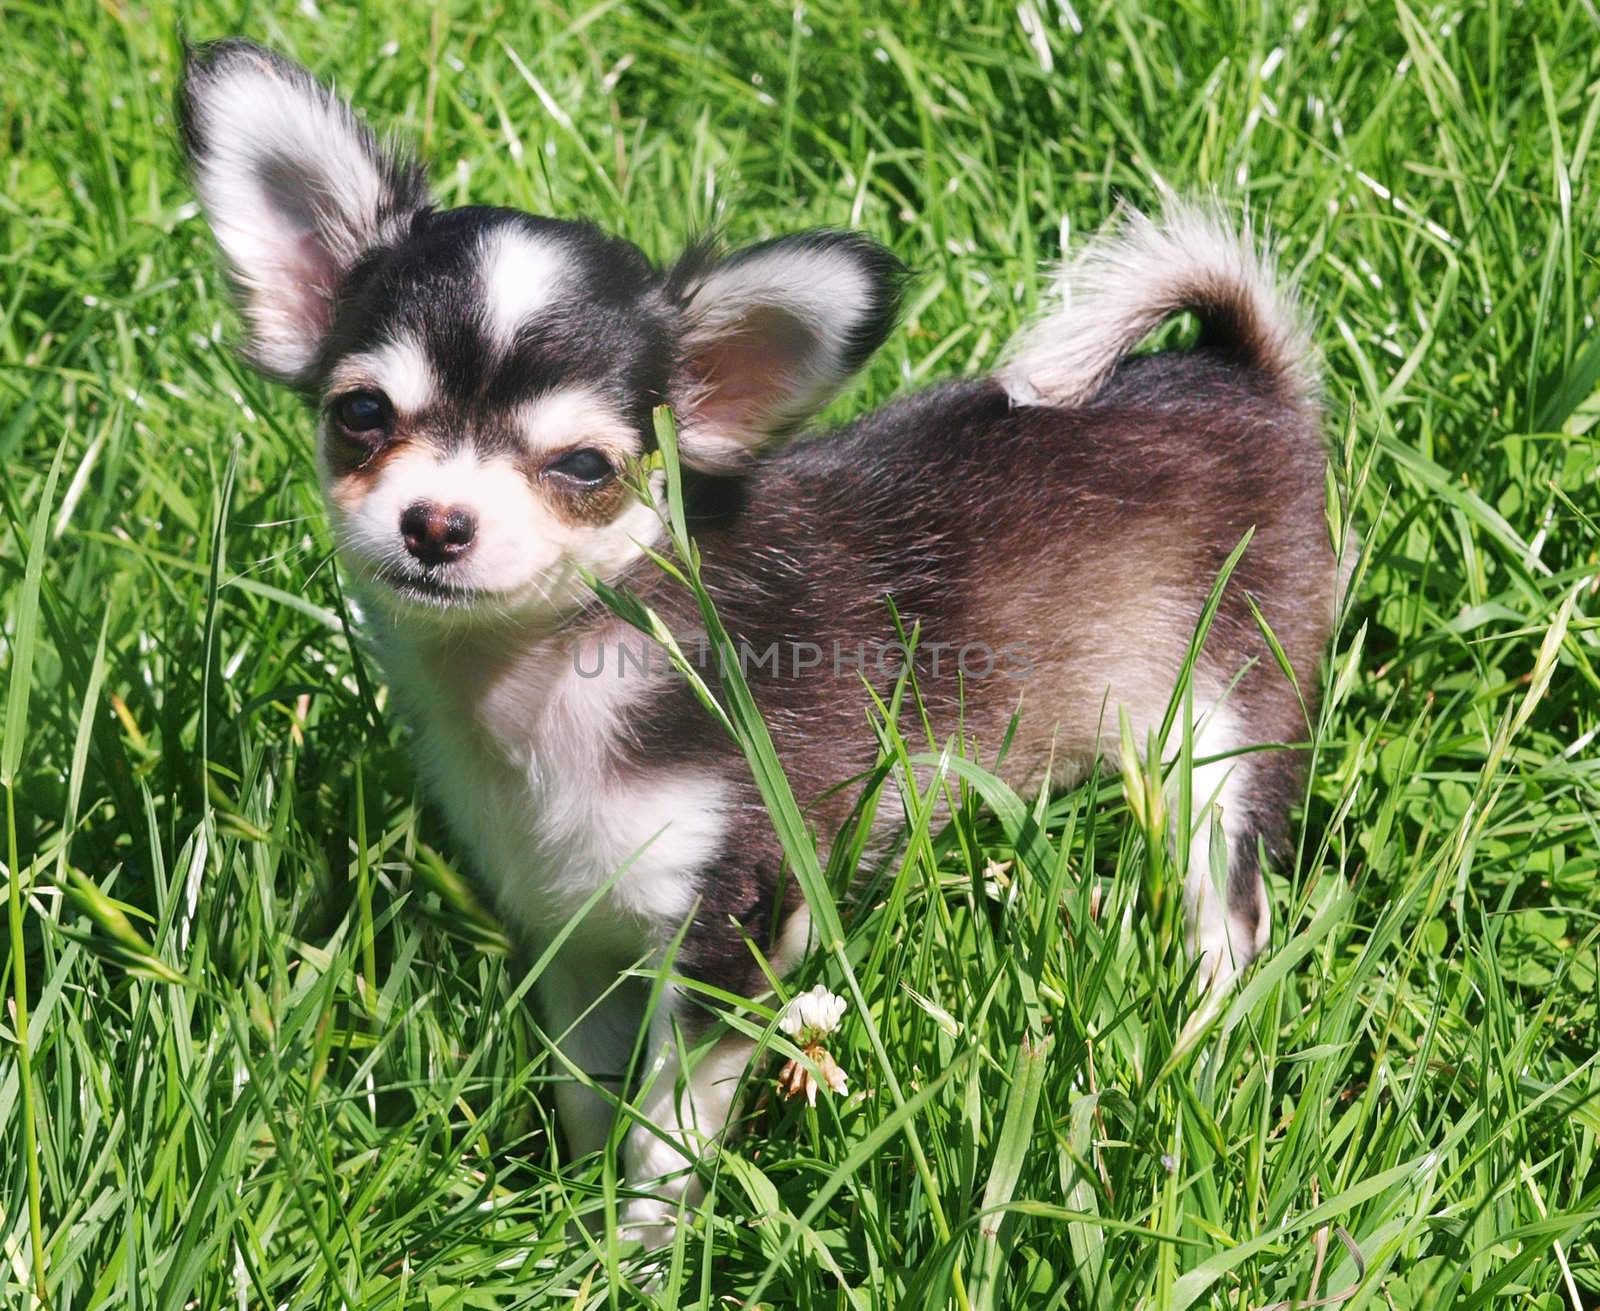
17,696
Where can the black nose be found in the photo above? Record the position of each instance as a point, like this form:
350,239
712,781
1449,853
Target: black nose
437,534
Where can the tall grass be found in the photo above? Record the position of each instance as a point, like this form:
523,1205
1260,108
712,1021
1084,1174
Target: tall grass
260,1047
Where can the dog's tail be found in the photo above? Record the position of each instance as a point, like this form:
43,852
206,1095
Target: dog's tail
1138,274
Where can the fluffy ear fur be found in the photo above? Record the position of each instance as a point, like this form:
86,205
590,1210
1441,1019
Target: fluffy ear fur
771,333
296,189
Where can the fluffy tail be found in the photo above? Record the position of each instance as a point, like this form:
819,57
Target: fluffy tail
1135,276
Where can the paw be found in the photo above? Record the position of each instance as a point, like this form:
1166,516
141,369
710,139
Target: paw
1225,945
649,1221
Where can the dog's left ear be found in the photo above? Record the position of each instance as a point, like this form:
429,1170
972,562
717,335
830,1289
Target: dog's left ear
770,333
297,190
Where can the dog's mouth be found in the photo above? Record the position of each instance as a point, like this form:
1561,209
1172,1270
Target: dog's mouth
437,593
421,592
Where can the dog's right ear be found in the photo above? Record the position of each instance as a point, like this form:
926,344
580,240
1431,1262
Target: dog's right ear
296,189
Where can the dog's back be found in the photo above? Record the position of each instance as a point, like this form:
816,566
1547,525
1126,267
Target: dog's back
1052,552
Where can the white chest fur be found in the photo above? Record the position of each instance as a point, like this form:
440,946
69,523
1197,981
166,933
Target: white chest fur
521,746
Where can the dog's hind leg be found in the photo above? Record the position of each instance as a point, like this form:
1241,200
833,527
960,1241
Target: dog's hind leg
1228,915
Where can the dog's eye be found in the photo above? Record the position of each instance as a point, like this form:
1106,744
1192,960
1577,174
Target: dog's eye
364,415
584,465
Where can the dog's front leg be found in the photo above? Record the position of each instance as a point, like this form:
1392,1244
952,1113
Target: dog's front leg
592,1014
683,1113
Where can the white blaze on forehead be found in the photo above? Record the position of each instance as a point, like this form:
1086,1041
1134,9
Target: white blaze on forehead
399,368
521,273
573,415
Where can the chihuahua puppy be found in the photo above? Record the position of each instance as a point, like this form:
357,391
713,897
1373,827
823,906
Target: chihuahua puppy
484,380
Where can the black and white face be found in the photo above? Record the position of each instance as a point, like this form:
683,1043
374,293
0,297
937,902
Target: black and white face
485,393
485,378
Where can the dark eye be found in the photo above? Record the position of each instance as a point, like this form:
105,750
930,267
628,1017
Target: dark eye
365,416
584,465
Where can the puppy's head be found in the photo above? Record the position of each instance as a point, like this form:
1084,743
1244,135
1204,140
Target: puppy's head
485,378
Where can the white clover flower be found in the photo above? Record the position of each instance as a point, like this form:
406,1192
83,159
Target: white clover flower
812,1016
808,1019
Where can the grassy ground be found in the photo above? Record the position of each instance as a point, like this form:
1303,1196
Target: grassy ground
270,1060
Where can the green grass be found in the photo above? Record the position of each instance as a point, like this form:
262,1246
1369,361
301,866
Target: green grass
271,1061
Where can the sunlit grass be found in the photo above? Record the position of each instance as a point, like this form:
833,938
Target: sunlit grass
277,1058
